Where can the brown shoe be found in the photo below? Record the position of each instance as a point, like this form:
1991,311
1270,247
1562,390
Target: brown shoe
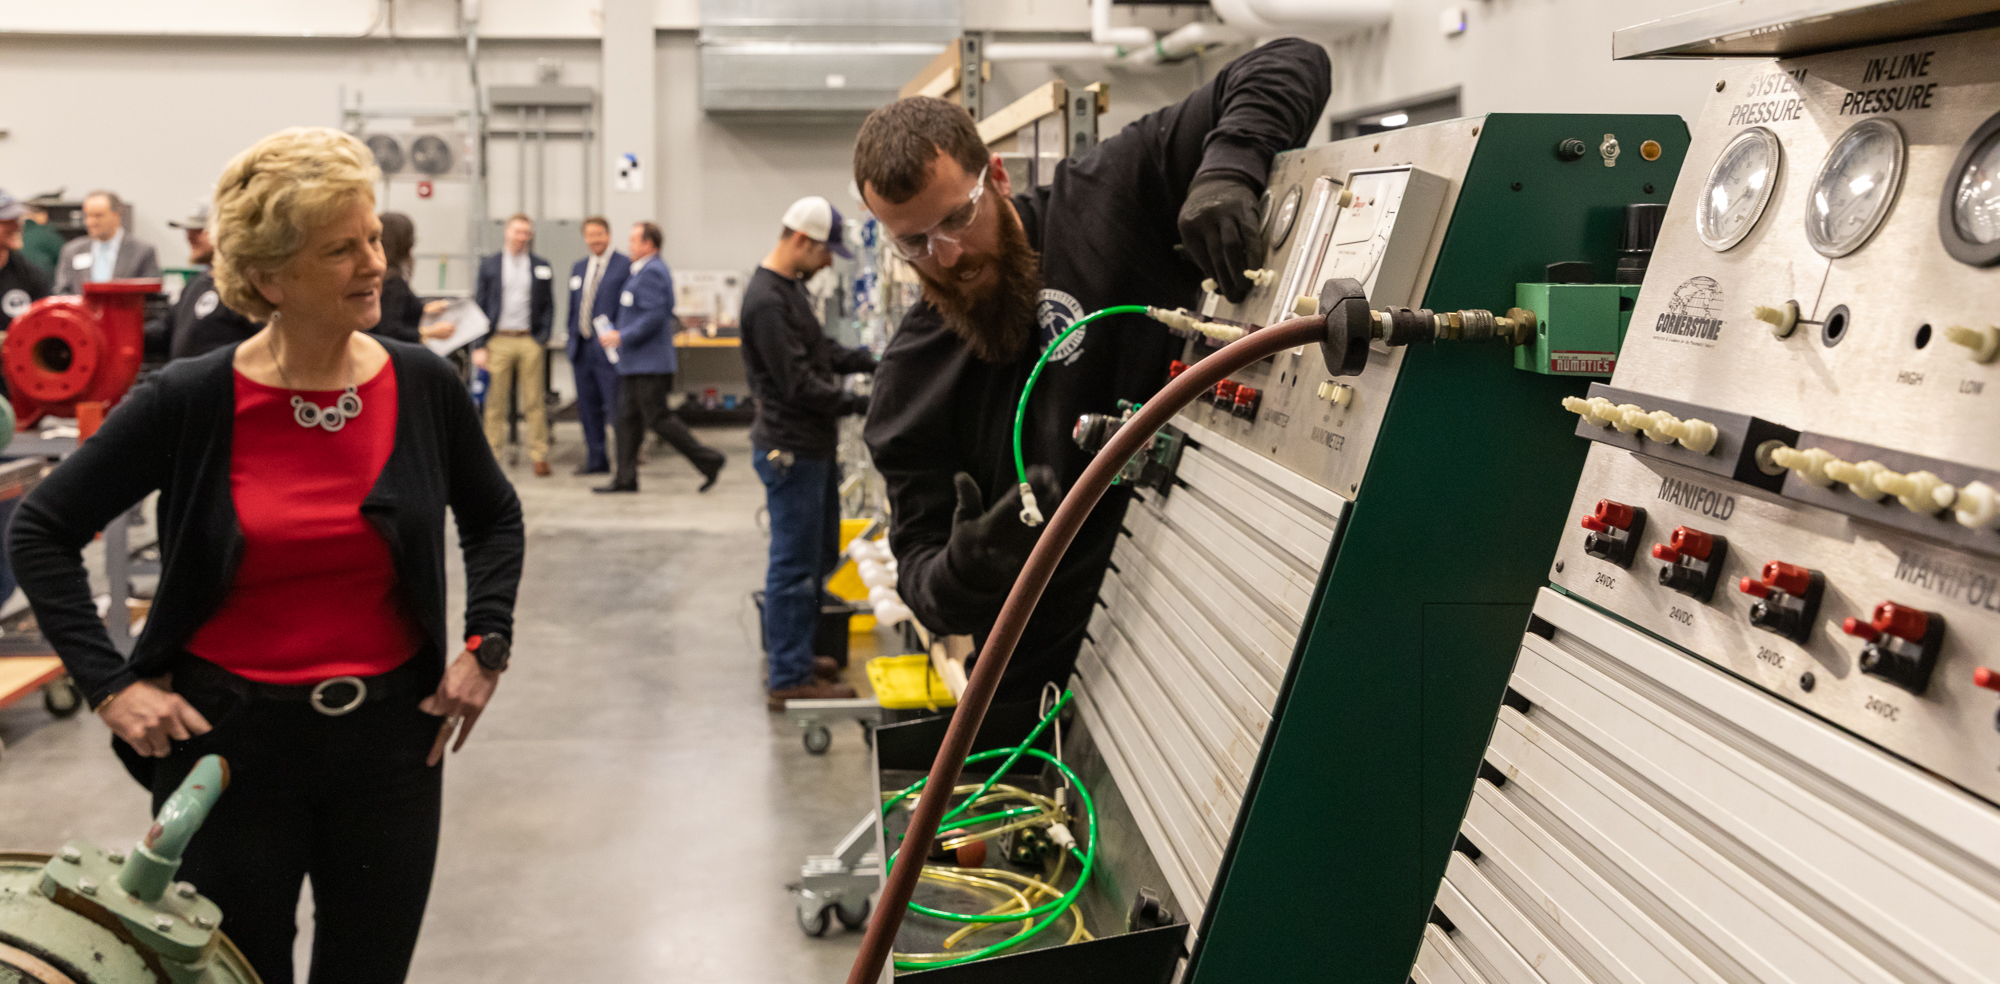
826,668
817,690
541,469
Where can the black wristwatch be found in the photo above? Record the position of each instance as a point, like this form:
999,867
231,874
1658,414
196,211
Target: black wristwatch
491,650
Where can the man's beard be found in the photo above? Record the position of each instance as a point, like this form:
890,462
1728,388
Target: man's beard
998,320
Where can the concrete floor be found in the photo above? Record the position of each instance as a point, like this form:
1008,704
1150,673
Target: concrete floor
627,810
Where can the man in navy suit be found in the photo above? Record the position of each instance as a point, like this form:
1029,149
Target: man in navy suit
641,344
595,284
516,290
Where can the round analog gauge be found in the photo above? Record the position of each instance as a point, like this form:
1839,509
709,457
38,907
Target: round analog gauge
1738,188
1855,187
1969,216
1282,220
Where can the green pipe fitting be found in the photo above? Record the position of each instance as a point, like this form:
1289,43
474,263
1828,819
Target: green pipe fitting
157,857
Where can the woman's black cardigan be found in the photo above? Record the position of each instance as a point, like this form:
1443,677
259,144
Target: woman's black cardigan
173,434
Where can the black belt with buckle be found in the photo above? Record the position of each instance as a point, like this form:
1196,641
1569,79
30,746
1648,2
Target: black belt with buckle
332,697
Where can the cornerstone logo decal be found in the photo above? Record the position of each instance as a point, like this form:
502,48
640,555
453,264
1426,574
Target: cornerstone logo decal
1056,312
1694,312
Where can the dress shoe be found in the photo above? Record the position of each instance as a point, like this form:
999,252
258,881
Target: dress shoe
542,469
606,470
709,477
614,489
816,690
826,668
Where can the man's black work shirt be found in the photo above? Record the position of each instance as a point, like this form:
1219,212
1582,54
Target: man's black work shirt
795,369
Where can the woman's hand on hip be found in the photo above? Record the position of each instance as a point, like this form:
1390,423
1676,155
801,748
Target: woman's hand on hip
461,697
150,717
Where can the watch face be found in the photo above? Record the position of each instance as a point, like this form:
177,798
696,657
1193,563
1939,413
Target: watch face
1738,188
1855,187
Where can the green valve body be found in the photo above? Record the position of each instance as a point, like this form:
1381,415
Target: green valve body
1579,327
76,917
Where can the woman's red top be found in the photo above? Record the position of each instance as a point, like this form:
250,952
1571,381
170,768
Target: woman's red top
315,595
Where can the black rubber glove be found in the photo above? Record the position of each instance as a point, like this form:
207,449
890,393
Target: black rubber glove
1220,230
989,546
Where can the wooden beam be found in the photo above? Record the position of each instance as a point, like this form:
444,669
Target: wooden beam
939,78
1051,98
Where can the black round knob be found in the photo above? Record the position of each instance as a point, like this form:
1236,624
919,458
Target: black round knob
1571,149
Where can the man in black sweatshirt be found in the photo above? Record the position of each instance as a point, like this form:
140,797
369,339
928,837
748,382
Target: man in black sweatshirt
795,372
1003,274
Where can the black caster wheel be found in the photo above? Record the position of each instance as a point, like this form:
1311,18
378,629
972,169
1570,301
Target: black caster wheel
815,926
62,698
817,739
854,922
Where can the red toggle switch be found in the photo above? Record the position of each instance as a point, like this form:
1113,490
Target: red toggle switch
1752,586
1663,552
1856,627
1692,542
1983,677
1901,622
1789,578
1615,514
1175,368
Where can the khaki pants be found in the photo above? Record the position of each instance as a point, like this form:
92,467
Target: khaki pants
511,359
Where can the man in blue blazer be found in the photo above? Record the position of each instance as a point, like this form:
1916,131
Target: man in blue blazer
595,284
516,290
641,345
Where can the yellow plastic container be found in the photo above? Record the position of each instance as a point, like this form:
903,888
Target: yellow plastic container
908,682
846,581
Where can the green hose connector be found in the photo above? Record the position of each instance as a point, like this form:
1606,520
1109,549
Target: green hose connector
157,857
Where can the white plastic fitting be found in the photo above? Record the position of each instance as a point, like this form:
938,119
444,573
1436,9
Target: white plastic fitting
1261,277
1059,833
1919,491
1810,465
1208,285
1336,393
1306,306
1978,506
1983,343
1621,417
1660,426
1031,512
1698,436
1860,478
1783,321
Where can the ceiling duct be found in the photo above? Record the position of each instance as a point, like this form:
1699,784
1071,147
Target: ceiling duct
815,57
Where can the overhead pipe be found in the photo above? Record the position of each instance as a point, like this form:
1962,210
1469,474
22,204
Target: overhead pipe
1101,31
1267,18
1183,42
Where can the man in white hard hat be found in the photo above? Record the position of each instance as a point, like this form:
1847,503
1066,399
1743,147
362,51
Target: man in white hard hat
796,373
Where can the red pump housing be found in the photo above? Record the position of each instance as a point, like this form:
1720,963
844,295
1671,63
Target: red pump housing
65,351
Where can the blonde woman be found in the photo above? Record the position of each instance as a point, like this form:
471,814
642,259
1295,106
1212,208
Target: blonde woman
299,625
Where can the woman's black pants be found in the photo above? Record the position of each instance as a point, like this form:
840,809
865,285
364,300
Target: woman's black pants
346,801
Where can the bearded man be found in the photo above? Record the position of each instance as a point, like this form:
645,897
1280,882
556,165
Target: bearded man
1003,274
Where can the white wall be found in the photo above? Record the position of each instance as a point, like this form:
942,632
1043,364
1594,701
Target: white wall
1519,56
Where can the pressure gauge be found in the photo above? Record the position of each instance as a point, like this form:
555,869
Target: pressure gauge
1855,187
1286,215
1738,188
1969,215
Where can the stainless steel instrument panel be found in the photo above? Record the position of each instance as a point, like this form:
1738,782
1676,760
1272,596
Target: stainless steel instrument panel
1879,367
1297,426
1949,729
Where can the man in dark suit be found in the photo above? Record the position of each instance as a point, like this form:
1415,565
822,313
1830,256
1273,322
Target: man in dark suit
595,284
516,291
641,345
107,253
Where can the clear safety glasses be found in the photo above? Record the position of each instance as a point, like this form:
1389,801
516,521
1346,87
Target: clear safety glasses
916,246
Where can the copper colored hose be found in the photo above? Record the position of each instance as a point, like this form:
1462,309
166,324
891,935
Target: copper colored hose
1027,591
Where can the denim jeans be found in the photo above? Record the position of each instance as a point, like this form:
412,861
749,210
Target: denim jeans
804,501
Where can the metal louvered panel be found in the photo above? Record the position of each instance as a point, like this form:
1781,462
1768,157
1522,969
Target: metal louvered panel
1198,615
1662,820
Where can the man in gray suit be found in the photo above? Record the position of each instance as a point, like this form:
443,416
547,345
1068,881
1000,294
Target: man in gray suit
107,253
